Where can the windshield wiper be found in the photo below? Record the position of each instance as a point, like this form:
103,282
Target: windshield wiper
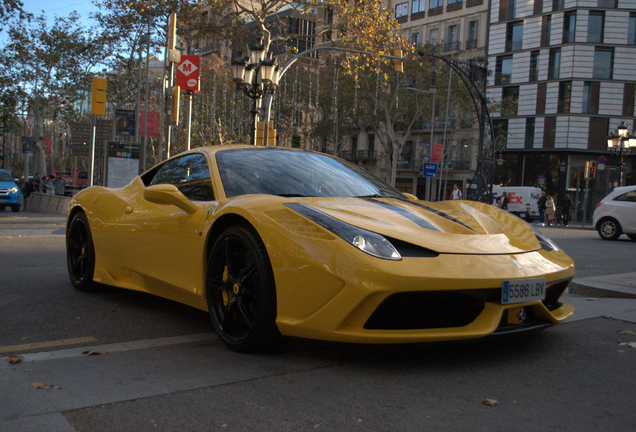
291,195
369,196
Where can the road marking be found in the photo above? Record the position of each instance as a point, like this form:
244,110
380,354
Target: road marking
118,347
49,344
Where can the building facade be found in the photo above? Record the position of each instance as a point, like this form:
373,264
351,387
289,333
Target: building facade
563,73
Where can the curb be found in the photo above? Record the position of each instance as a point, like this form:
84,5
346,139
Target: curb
615,286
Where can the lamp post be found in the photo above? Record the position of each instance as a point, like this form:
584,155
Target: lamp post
256,75
432,91
621,143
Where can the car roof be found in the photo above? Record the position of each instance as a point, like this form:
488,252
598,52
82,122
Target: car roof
619,191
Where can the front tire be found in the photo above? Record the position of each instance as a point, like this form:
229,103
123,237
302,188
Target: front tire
241,293
80,253
15,208
609,229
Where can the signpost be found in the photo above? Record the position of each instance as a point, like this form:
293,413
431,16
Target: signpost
188,81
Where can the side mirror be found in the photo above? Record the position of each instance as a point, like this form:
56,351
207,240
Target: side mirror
169,194
410,196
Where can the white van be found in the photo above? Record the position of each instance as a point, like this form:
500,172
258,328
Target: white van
522,200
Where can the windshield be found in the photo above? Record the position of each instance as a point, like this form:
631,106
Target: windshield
296,173
5,177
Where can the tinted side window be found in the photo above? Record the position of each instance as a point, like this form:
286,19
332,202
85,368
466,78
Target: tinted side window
190,174
629,196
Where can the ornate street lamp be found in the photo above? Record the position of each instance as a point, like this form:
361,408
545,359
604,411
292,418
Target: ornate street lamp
621,143
256,75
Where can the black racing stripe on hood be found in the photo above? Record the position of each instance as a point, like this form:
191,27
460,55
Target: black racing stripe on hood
439,213
421,222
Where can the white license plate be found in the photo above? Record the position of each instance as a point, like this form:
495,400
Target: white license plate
522,290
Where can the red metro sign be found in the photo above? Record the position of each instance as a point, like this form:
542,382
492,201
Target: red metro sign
188,73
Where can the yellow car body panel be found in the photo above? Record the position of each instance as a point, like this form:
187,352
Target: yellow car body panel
326,288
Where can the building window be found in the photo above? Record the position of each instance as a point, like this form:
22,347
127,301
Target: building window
554,63
471,40
595,27
452,38
587,98
509,101
416,38
557,5
607,4
546,30
503,72
603,63
565,96
534,66
569,27
418,6
450,2
529,141
631,32
500,127
591,93
514,36
401,10
436,4
512,9
371,143
434,36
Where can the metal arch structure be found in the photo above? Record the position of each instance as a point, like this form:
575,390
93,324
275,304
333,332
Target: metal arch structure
484,175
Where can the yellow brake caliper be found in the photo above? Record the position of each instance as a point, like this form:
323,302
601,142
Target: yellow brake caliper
227,295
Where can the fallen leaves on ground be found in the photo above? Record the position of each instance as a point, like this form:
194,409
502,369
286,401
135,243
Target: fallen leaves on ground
627,332
15,359
490,402
629,344
94,352
591,299
39,385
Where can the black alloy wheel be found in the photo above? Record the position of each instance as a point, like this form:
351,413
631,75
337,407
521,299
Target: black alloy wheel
80,253
241,293
609,229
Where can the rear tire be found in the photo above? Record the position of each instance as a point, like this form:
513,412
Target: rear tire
241,294
609,229
80,253
2,208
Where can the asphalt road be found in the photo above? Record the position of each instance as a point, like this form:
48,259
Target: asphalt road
157,366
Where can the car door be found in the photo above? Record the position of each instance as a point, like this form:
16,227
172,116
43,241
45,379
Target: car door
167,250
625,209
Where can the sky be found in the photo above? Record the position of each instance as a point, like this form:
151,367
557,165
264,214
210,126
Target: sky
59,7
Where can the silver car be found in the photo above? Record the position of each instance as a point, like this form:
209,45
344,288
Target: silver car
616,214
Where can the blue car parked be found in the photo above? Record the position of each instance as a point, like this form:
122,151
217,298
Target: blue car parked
10,194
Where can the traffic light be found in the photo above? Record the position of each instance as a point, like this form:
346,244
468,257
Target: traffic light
590,169
398,65
172,31
174,108
98,96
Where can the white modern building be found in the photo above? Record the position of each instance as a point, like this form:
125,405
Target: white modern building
564,72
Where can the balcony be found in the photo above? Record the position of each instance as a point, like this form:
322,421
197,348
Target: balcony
359,155
471,3
471,43
451,46
454,7
436,11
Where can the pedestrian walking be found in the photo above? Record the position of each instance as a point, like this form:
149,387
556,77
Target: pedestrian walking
549,210
567,207
503,201
541,204
456,194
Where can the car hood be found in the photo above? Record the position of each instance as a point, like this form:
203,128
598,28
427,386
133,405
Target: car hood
460,227
7,184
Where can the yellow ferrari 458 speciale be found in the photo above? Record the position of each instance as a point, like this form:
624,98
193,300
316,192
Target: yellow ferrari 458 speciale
275,242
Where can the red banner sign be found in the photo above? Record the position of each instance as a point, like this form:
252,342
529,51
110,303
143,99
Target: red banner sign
153,124
437,152
47,146
188,73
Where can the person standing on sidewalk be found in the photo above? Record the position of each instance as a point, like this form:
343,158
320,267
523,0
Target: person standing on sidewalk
567,206
549,210
456,194
541,204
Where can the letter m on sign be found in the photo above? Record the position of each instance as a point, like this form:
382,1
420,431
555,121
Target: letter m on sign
188,73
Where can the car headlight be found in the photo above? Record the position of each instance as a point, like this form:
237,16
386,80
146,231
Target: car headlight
367,241
14,190
546,243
